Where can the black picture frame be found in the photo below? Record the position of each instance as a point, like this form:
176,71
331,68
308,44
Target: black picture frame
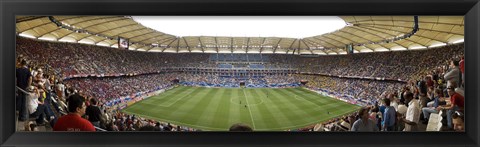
9,9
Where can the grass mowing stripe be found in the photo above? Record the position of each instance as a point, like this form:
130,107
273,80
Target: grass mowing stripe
182,111
268,119
165,96
279,115
222,112
292,108
250,111
197,109
154,98
297,105
207,117
234,115
310,98
173,100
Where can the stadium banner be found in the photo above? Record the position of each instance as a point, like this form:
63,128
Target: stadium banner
122,43
123,102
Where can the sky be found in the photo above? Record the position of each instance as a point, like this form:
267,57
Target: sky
243,26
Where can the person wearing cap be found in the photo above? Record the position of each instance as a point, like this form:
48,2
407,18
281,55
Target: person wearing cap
456,104
74,122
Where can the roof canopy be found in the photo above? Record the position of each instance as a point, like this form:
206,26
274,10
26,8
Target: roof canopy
366,33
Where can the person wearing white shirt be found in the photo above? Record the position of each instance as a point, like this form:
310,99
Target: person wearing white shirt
413,113
35,108
393,101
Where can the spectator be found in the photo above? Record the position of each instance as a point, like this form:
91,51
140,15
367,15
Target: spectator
458,124
413,113
431,108
454,74
389,117
36,108
364,124
456,104
23,80
93,113
73,121
462,69
240,127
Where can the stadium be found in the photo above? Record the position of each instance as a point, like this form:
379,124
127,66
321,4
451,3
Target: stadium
387,73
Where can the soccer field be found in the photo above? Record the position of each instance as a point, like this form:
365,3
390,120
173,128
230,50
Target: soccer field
264,109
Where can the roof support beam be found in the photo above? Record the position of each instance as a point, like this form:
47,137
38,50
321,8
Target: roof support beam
299,47
143,34
49,22
149,38
373,25
92,19
363,38
333,45
289,48
178,44
418,35
95,25
414,35
169,45
248,41
278,44
307,45
216,43
28,18
350,40
165,40
83,28
231,45
383,33
261,45
111,29
201,44
188,47
410,21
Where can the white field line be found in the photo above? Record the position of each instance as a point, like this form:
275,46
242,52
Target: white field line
251,116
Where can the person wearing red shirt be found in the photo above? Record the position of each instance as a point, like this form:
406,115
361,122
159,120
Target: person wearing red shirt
73,121
457,103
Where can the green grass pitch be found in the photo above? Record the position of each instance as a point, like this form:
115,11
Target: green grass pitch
216,109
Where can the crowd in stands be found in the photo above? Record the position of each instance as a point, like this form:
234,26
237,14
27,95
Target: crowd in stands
214,80
435,82
105,89
368,90
403,65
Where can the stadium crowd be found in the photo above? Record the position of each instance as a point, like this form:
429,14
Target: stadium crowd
403,65
215,80
105,89
435,83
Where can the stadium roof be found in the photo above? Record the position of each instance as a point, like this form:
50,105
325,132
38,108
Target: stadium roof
366,33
